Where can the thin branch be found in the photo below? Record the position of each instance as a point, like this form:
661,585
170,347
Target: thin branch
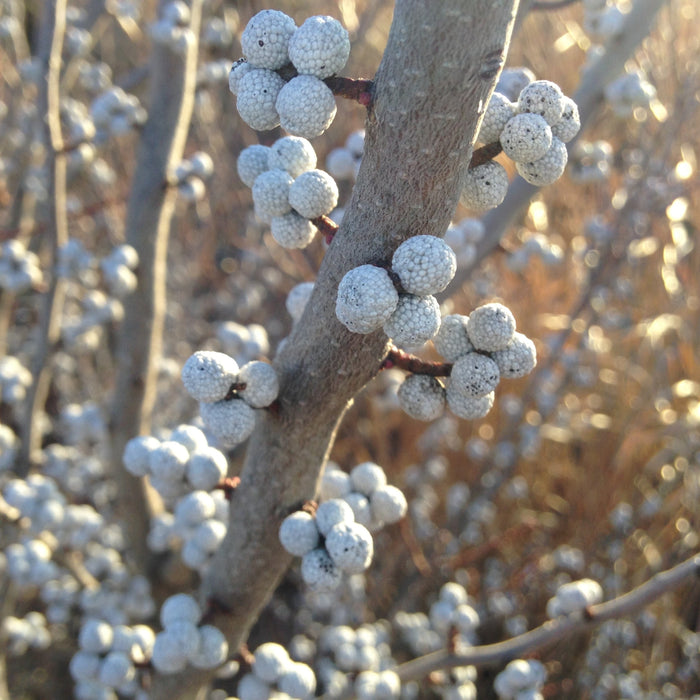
500,653
543,5
357,89
485,154
403,360
53,31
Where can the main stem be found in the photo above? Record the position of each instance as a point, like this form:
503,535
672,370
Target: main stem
438,70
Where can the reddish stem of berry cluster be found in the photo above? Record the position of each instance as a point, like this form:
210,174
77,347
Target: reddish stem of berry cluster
485,154
228,485
358,89
415,365
310,507
326,226
234,389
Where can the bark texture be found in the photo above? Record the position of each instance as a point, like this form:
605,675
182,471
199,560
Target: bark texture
438,70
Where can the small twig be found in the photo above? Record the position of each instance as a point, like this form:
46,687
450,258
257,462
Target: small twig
234,389
228,485
411,363
326,226
359,89
214,608
485,154
310,507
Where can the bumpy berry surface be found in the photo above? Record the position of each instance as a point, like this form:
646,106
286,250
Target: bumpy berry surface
294,154
366,299
452,340
518,358
313,194
306,106
252,161
258,90
542,97
473,375
319,47
414,322
526,137
422,397
230,421
485,186
265,40
424,264
208,375
292,230
547,169
499,110
491,327
271,194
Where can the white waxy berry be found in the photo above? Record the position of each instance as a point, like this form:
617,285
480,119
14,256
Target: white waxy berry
388,504
306,106
292,230
258,90
473,375
297,681
96,636
469,407
168,461
491,327
485,186
574,596
269,661
360,507
518,358
331,513
422,397
313,194
366,299
366,477
116,669
294,154
519,676
319,572
547,169
190,436
193,509
271,194
208,375
453,593
498,112
542,97
298,533
84,666
213,648
465,618
335,483
252,162
232,421
137,454
569,124
512,81
206,468
414,321
424,264
171,650
179,607
452,340
262,385
207,536
340,163
526,137
265,39
320,47
238,70
297,299
350,546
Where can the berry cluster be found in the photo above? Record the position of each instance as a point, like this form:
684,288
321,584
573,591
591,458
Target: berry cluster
368,298
15,379
190,176
24,633
574,597
289,192
532,132
273,670
228,394
336,538
107,658
482,348
172,27
184,641
520,679
304,104
118,270
19,268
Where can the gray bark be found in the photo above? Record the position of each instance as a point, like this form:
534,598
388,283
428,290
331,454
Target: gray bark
439,68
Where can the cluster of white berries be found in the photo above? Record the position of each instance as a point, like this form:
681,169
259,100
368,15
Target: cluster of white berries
574,597
274,674
368,299
184,641
336,539
534,245
343,163
191,174
107,658
304,105
172,27
19,268
243,343
532,132
520,679
15,379
602,19
288,191
228,394
463,237
483,347
629,93
591,161
183,463
113,113
118,270
24,633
